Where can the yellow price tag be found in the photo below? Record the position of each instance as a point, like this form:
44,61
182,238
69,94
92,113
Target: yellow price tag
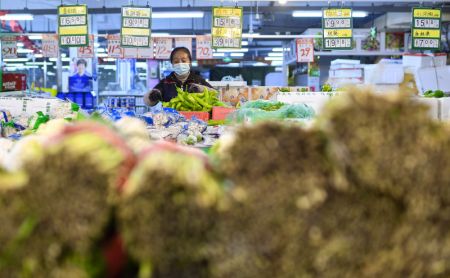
135,32
73,30
337,13
427,13
136,12
427,33
227,12
338,33
227,32
72,10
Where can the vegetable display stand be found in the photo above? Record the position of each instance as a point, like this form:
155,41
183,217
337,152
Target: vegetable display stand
204,116
221,113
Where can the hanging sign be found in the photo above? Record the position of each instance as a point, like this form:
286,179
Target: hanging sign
204,47
337,29
73,26
9,47
136,26
163,47
87,51
184,42
50,46
305,50
426,29
114,48
227,27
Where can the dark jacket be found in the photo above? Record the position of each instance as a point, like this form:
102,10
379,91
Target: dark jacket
168,85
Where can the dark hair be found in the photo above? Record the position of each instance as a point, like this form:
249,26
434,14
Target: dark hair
82,61
183,49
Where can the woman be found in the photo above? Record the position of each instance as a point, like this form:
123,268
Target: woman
181,77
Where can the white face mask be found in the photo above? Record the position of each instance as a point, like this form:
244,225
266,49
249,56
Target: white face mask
181,68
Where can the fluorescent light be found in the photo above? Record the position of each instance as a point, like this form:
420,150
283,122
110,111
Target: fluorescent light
237,54
96,44
155,35
111,67
15,65
275,54
218,54
194,63
102,55
282,2
16,60
63,55
38,64
17,17
109,59
187,14
141,65
319,14
22,50
233,50
259,64
276,63
273,58
234,65
278,69
101,50
20,44
38,56
244,43
35,37
62,59
250,35
280,49
31,67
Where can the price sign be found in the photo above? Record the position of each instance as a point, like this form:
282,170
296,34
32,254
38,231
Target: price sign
73,26
184,42
337,29
9,47
305,50
136,26
146,53
114,48
227,27
163,47
426,29
87,51
130,53
204,48
50,46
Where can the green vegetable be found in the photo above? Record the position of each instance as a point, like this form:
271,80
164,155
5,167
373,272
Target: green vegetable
203,101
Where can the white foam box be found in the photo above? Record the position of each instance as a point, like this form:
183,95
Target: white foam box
433,104
389,74
420,60
444,108
346,73
433,79
346,61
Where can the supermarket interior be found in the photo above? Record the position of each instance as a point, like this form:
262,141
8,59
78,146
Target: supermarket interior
214,138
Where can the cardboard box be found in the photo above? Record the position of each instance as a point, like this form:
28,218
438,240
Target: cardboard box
204,116
221,113
235,95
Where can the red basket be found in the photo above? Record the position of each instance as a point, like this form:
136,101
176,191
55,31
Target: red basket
204,116
221,113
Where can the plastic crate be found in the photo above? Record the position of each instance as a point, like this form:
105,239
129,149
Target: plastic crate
221,113
204,116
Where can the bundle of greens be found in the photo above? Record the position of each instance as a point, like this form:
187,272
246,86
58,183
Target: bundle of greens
168,211
434,94
194,101
72,180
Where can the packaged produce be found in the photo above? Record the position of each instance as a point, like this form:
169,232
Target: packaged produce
194,101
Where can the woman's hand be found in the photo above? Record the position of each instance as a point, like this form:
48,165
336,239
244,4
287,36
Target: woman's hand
152,97
196,88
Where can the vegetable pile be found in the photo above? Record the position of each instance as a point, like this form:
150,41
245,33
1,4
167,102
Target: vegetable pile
435,94
194,101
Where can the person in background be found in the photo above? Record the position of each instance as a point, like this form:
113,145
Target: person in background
181,77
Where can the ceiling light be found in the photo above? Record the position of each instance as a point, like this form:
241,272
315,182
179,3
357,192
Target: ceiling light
276,63
250,35
275,54
259,64
160,35
20,44
280,49
109,59
15,60
102,55
282,2
38,56
35,37
17,17
23,50
273,58
232,50
236,54
218,54
187,14
101,50
319,14
244,43
279,69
